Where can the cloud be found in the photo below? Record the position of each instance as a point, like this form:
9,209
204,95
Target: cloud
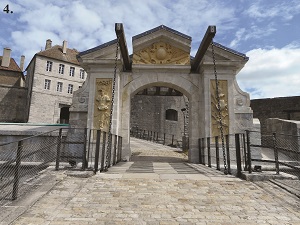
285,10
253,32
272,72
86,24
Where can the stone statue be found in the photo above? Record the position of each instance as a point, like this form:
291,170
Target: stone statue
103,106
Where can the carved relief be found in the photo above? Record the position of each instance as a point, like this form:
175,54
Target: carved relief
161,53
102,103
223,95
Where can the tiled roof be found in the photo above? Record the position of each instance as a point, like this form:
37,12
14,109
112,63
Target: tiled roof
56,53
13,66
231,50
161,27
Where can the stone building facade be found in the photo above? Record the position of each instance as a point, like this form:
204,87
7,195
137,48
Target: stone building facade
12,93
52,77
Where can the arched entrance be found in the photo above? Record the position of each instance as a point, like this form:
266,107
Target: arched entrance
161,57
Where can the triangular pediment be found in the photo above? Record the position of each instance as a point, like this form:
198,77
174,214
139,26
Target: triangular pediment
161,45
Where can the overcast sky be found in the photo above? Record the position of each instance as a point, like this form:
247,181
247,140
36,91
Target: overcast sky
267,31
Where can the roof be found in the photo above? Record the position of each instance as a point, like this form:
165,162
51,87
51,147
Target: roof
161,27
13,66
231,50
55,52
98,47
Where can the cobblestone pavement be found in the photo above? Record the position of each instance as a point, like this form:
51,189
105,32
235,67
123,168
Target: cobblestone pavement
160,187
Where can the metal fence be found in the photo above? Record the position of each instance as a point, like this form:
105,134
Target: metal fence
66,148
279,153
157,137
22,160
252,151
230,159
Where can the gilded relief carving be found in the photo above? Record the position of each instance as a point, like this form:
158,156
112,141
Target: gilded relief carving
102,103
223,95
161,53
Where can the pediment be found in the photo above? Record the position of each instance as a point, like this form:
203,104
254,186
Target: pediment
161,45
161,53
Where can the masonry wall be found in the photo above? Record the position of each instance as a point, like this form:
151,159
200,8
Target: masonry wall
149,113
287,108
13,104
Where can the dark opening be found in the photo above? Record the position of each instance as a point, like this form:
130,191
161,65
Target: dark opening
171,114
64,115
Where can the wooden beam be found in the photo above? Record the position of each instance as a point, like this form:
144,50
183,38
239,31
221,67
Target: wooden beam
207,39
123,46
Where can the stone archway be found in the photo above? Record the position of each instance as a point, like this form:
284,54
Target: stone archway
161,57
181,84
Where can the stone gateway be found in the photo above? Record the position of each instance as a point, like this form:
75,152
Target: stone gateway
161,57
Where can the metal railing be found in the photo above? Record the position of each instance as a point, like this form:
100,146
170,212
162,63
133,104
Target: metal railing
22,160
157,137
279,153
65,148
211,153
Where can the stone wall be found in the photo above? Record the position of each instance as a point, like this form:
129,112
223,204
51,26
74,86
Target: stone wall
283,108
149,113
13,102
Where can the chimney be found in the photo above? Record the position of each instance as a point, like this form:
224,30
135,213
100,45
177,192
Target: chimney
64,47
6,57
22,62
48,44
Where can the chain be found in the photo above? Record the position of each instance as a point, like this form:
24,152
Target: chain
219,108
109,140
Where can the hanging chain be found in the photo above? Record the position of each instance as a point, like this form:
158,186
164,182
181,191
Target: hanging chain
219,108
109,140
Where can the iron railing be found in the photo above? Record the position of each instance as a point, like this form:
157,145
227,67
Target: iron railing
157,137
22,161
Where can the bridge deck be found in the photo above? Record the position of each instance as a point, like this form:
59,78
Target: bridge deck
159,187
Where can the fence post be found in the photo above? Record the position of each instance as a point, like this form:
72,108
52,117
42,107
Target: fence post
164,138
245,151
208,152
109,149
275,153
58,149
97,151
228,154
84,150
248,152
115,149
217,153
17,171
172,140
238,155
103,151
89,148
203,150
119,149
200,150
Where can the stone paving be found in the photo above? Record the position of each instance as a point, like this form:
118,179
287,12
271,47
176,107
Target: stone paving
159,187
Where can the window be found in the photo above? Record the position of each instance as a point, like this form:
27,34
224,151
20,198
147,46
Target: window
49,66
171,114
81,75
47,84
59,86
70,88
72,71
61,68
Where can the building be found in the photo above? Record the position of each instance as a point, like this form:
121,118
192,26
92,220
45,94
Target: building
52,77
12,93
